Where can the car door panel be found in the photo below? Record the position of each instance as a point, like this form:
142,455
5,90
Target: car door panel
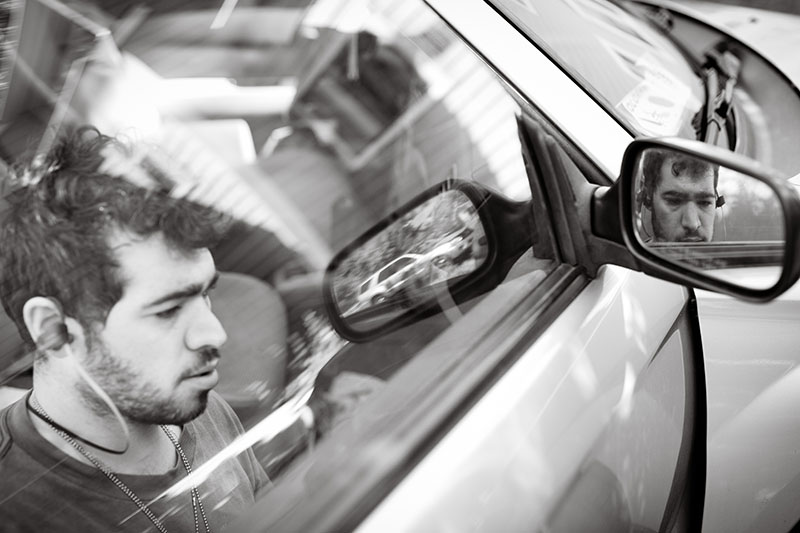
553,424
752,373
747,495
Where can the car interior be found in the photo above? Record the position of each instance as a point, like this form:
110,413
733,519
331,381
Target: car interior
307,133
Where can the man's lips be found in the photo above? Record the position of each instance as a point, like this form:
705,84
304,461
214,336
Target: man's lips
205,378
205,370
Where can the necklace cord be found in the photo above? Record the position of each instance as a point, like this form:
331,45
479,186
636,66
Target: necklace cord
72,439
72,434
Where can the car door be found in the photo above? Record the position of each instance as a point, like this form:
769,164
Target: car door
573,401
599,425
591,429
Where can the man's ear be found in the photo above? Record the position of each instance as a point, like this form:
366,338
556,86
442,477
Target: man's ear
47,325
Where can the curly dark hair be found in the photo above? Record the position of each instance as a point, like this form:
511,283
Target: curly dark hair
654,159
59,214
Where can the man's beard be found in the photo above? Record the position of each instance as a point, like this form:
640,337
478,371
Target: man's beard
137,399
699,235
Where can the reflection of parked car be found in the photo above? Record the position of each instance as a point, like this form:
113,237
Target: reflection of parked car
392,279
452,248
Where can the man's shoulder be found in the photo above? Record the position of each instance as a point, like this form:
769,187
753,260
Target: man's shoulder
216,429
6,440
217,406
6,436
215,398
17,468
218,417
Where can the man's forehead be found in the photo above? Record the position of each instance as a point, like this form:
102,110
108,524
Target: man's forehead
686,179
149,265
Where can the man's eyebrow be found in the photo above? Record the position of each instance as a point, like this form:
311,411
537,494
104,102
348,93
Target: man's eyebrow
687,194
705,194
675,193
186,292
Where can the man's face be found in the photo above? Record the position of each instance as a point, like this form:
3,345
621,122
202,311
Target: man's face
156,354
683,206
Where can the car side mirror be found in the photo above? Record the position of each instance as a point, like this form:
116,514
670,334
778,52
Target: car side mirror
449,244
706,217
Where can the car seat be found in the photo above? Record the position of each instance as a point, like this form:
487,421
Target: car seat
252,368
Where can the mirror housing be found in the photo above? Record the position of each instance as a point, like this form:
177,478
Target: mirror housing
420,259
698,263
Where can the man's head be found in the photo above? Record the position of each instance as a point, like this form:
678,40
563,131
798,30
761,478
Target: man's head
128,268
681,193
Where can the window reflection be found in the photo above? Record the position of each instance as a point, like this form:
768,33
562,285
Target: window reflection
305,142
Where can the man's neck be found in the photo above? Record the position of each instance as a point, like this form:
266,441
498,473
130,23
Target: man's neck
148,450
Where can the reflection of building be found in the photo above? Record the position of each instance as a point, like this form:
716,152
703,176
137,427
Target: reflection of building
43,51
365,89
439,126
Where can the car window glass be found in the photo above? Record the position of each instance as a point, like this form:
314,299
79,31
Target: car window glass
639,73
306,125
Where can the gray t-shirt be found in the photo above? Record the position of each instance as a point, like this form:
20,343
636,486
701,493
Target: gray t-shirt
42,489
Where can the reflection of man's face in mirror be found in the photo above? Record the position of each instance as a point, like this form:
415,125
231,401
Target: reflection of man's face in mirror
681,195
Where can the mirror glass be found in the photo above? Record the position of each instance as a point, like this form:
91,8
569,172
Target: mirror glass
409,263
709,218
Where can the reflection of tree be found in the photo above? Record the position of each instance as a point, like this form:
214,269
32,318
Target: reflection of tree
440,219
416,232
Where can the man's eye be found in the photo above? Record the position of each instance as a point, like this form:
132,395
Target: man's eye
169,313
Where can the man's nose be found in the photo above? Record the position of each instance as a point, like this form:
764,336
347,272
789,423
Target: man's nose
206,331
690,216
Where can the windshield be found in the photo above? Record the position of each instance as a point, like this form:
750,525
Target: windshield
638,74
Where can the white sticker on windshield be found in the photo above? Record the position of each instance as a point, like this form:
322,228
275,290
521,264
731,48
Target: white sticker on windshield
658,103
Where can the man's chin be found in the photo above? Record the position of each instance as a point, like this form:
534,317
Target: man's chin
176,414
196,410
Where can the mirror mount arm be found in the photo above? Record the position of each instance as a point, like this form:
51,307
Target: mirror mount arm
605,214
606,242
517,221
